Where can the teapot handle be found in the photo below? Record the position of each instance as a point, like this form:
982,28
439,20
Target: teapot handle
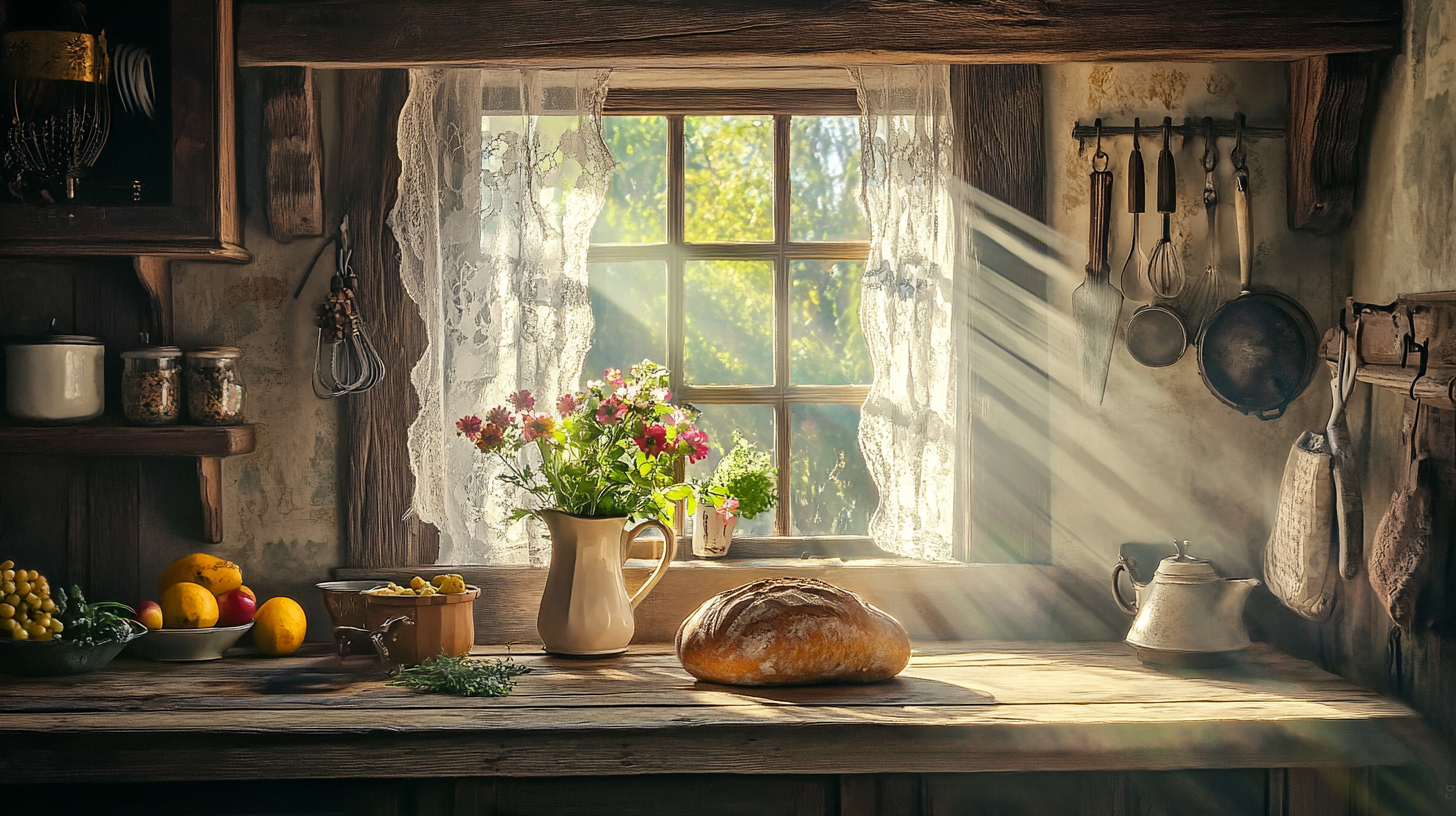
1122,603
668,552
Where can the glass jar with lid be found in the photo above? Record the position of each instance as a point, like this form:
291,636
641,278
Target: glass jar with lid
215,388
151,385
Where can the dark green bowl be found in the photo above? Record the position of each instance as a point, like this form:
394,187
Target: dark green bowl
57,658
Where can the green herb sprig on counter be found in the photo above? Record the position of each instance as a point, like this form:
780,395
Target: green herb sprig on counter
463,676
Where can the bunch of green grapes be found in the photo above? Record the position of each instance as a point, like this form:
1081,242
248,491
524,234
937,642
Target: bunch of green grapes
26,607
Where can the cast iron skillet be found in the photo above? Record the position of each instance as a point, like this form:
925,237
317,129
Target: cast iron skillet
1258,351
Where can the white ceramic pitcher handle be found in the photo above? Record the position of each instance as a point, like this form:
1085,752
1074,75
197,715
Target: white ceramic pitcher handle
668,551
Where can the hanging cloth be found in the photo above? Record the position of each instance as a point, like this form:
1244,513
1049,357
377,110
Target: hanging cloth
1400,555
907,427
503,173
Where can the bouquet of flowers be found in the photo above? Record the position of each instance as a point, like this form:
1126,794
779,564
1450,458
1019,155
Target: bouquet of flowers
610,451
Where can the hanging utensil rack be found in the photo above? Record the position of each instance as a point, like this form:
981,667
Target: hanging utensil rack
1408,346
1193,127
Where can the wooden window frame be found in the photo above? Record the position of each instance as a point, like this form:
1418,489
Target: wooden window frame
1002,154
676,252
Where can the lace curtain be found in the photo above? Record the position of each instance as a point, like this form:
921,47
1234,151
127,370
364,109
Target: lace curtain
907,428
503,173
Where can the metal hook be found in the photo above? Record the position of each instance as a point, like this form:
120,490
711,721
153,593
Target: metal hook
1239,155
1210,153
1408,345
1100,154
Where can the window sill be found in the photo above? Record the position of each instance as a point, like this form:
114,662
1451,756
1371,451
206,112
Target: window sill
935,602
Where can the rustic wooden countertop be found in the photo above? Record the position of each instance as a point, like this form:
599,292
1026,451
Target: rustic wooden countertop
983,706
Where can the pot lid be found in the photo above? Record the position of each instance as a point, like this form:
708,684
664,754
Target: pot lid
215,352
1185,569
152,352
53,340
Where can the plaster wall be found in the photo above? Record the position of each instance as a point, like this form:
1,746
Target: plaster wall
1403,240
1161,457
281,503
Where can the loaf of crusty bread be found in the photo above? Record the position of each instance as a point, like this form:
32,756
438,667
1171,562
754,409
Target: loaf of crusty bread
791,631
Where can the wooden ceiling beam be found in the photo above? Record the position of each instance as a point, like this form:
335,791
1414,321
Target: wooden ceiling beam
782,33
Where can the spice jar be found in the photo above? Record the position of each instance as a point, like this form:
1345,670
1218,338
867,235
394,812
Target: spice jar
214,388
151,385
54,378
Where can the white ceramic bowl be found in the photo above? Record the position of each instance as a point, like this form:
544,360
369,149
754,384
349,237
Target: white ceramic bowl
187,645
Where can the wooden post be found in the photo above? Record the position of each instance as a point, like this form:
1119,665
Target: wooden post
379,484
1326,103
292,154
1003,493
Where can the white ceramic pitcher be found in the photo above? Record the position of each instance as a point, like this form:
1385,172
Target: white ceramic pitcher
585,609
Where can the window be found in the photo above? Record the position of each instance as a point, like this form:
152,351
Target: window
731,246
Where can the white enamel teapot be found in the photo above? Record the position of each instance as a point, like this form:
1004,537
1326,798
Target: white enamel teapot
1186,614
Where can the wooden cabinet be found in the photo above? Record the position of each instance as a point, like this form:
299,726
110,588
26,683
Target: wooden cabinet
185,208
1244,792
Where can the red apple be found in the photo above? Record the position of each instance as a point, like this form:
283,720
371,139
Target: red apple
235,608
149,614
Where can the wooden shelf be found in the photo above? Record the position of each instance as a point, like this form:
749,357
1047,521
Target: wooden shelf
124,440
207,444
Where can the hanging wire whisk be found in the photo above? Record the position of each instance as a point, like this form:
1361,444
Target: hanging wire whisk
1165,270
345,360
1204,296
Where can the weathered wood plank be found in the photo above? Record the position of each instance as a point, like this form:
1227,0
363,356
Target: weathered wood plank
292,153
364,744
983,674
128,440
1326,103
669,33
1060,707
379,484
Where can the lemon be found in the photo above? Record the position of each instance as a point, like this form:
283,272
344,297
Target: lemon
188,606
279,626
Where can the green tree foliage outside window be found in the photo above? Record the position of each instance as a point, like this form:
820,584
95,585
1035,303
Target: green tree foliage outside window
729,310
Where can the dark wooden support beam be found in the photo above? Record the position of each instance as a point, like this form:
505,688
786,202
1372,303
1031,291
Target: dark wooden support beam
155,274
1327,96
1000,151
696,33
292,153
380,485
209,483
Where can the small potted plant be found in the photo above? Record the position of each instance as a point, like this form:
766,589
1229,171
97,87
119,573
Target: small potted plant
745,484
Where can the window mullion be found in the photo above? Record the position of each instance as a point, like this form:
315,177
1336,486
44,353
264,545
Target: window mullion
676,320
782,418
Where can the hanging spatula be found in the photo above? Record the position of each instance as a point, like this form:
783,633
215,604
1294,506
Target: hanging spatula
1096,304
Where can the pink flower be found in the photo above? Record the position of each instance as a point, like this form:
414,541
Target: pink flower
726,511
567,404
661,394
695,444
490,438
653,440
677,417
522,400
611,411
539,426
468,427
614,377
499,416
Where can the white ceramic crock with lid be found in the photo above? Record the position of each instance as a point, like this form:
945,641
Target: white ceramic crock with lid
54,378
